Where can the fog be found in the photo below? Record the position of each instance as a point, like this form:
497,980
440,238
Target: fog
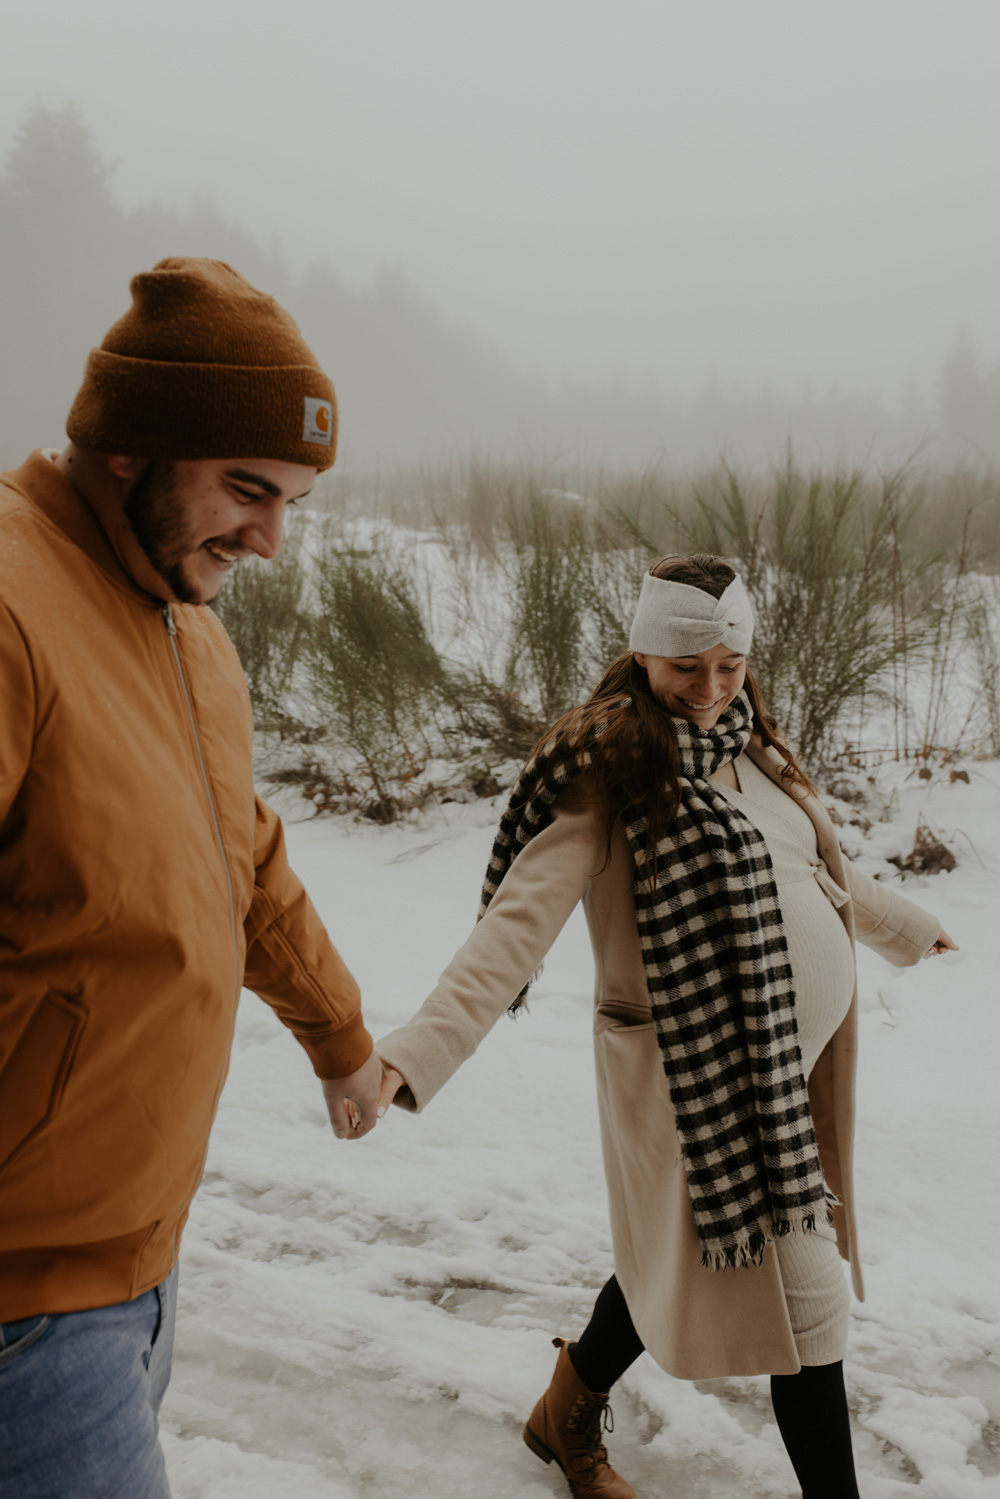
641,229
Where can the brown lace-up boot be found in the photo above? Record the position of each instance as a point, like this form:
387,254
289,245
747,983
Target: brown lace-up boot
566,1424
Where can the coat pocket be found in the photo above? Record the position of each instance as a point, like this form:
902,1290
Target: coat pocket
34,1079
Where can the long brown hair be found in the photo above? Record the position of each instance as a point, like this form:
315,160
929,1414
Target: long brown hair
637,763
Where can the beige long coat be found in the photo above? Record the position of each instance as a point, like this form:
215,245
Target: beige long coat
696,1323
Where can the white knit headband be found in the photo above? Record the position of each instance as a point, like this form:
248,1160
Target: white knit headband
676,619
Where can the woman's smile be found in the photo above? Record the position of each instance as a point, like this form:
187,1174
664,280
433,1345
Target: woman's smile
701,707
698,688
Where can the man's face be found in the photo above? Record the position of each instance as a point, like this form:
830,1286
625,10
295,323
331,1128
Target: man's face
193,521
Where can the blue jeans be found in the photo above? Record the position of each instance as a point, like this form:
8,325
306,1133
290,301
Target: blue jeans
80,1394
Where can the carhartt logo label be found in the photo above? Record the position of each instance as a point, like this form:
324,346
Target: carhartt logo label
318,426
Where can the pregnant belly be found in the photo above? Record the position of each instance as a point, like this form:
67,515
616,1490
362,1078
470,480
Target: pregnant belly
822,964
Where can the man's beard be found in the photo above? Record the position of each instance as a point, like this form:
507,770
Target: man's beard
155,512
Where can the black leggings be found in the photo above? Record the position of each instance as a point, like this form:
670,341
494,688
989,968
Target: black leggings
810,1407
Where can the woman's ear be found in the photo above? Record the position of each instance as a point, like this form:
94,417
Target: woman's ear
640,658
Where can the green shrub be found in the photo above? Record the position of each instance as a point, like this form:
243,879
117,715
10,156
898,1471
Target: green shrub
833,573
261,608
371,667
549,569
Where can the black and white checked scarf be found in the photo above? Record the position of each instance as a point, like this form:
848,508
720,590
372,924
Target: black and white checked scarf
720,987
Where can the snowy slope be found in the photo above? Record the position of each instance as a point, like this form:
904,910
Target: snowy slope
372,1320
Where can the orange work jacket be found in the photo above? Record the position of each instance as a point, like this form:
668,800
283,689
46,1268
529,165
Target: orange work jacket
142,884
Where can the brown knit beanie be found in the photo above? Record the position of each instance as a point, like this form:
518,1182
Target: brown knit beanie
205,366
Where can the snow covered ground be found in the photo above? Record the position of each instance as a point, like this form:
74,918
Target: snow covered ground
373,1320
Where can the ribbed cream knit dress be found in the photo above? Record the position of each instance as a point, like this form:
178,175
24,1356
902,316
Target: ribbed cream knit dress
823,967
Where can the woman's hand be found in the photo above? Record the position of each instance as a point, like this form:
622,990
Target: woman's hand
943,944
392,1081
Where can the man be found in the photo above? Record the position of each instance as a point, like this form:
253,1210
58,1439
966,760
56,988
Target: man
142,884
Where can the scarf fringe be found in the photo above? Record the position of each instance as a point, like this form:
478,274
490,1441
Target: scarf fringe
519,1006
750,1247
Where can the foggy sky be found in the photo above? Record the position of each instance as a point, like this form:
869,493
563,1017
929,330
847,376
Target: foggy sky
755,190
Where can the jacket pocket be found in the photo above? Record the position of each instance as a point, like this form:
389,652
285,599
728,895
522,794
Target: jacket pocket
619,1023
34,1079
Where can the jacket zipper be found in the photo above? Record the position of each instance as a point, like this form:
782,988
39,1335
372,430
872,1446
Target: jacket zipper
168,620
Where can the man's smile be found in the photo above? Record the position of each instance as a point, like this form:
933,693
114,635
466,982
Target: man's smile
224,558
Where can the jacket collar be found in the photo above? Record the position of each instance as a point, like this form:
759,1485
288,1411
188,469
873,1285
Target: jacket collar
49,490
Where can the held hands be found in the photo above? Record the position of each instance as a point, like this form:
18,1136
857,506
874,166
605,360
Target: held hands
355,1103
943,944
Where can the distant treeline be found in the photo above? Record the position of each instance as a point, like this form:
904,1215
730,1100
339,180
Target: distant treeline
413,386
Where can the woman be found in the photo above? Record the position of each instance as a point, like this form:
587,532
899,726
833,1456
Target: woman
722,914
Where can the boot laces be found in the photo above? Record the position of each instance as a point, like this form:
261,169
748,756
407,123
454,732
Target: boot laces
590,1418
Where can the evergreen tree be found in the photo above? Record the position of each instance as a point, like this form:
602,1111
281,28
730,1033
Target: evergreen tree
61,272
967,404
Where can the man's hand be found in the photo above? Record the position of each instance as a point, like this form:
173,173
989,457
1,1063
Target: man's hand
352,1102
